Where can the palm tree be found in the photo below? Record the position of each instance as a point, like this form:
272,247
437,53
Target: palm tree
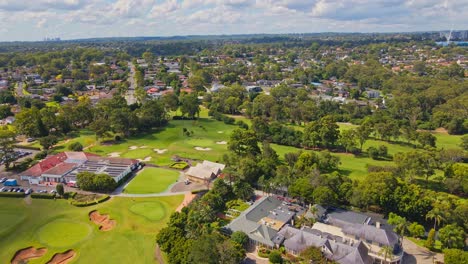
437,215
386,252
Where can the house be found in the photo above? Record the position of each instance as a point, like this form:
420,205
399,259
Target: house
65,166
372,93
205,171
262,221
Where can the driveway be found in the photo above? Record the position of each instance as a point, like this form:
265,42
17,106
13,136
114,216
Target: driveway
416,254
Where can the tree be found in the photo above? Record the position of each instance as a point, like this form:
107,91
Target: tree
426,139
189,105
48,141
386,252
399,222
75,146
464,143
313,255
416,163
7,152
243,142
362,133
452,236
240,238
430,239
243,190
416,230
323,195
348,139
60,190
275,257
89,181
437,215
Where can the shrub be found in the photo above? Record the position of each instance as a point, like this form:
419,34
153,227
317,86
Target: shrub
416,230
26,147
242,124
41,155
275,257
43,195
430,239
455,256
179,165
75,146
88,203
263,252
12,194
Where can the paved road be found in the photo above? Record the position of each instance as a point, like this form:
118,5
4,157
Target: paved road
416,254
130,95
19,89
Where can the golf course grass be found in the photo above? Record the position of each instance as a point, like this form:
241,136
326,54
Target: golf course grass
152,180
154,211
63,233
58,226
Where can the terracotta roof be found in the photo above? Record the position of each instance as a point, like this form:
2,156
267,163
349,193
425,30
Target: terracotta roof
61,168
44,165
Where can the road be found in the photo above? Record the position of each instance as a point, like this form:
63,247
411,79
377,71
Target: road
19,89
130,95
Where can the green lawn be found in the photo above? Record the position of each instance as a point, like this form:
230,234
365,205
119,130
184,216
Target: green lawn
152,180
59,226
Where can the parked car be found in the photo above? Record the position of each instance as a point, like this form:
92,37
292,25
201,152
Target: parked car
28,191
30,139
20,190
53,191
3,189
2,180
42,191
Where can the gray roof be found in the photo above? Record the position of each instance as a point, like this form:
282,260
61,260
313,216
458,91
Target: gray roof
341,218
248,221
372,233
358,256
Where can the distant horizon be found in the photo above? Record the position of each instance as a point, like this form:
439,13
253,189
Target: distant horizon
82,19
225,35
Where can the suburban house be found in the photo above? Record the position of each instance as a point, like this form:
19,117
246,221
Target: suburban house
343,236
204,172
65,166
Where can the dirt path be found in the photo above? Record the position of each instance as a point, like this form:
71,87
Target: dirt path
419,255
187,200
158,255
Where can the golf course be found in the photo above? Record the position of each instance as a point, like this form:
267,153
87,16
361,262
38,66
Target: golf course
56,226
152,180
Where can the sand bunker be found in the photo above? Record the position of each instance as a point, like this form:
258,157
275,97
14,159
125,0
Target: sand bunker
25,254
187,200
145,159
220,132
62,258
132,147
114,154
202,149
160,151
104,221
221,142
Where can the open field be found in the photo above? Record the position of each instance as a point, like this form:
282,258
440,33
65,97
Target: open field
152,180
59,226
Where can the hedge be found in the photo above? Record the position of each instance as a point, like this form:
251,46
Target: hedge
199,191
179,165
43,195
88,203
12,194
26,147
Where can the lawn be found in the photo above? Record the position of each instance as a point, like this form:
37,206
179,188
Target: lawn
152,180
59,226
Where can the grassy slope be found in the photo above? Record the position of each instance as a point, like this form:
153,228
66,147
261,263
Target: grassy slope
131,241
152,180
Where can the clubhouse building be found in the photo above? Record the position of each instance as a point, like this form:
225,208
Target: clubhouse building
345,237
65,166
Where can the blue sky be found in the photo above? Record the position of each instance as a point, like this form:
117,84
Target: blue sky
71,19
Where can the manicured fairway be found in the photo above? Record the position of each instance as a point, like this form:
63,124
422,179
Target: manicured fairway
63,233
152,180
154,211
45,223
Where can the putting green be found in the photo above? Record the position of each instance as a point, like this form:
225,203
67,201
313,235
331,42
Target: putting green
8,220
63,233
153,211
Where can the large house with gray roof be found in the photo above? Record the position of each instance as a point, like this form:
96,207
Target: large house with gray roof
343,236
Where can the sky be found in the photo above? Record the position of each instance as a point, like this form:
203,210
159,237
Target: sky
33,20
